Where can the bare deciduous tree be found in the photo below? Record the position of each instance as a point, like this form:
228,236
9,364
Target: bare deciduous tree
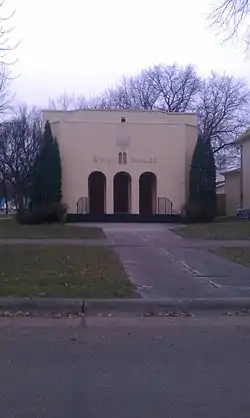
20,140
145,94
68,102
176,86
131,93
119,97
165,87
222,109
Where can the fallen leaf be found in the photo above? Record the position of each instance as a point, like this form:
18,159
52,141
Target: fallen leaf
147,314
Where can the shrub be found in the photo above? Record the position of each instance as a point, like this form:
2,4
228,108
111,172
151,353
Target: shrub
38,214
191,212
25,217
60,209
195,212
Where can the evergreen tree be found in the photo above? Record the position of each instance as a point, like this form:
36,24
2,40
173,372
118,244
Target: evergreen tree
46,187
202,182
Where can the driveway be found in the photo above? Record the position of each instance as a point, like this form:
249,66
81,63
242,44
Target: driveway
163,264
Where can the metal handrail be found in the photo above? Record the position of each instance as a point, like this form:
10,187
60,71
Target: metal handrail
167,205
82,205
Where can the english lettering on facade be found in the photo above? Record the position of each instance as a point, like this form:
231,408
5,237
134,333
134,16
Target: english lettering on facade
97,159
136,160
151,160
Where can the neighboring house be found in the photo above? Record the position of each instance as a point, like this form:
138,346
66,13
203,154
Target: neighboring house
232,190
237,180
124,162
220,183
221,195
244,142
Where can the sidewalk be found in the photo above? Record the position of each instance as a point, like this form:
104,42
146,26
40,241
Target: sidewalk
56,241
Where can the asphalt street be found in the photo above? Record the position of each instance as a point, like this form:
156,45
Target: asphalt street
125,368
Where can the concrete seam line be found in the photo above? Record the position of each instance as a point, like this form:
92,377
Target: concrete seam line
196,273
83,307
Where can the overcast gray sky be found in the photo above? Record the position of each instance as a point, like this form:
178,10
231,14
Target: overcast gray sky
83,46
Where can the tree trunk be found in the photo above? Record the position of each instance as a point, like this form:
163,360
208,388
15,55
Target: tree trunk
5,196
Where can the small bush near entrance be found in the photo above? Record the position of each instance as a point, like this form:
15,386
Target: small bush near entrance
195,212
36,215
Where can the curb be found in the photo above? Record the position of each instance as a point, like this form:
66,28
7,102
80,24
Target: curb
93,307
156,306
55,305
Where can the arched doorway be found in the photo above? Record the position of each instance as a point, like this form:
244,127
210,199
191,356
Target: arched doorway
97,193
122,192
147,193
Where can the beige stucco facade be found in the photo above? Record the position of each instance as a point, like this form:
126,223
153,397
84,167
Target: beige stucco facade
131,142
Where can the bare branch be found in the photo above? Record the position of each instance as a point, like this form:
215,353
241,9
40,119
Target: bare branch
176,86
6,97
171,88
231,16
68,102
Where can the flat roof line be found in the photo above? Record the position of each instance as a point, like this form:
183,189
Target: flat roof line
118,110
94,122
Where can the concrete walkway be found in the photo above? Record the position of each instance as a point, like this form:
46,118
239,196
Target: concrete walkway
162,264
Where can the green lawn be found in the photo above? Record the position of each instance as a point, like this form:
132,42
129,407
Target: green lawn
230,230
240,255
9,228
62,271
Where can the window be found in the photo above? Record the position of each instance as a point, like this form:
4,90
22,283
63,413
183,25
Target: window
122,158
